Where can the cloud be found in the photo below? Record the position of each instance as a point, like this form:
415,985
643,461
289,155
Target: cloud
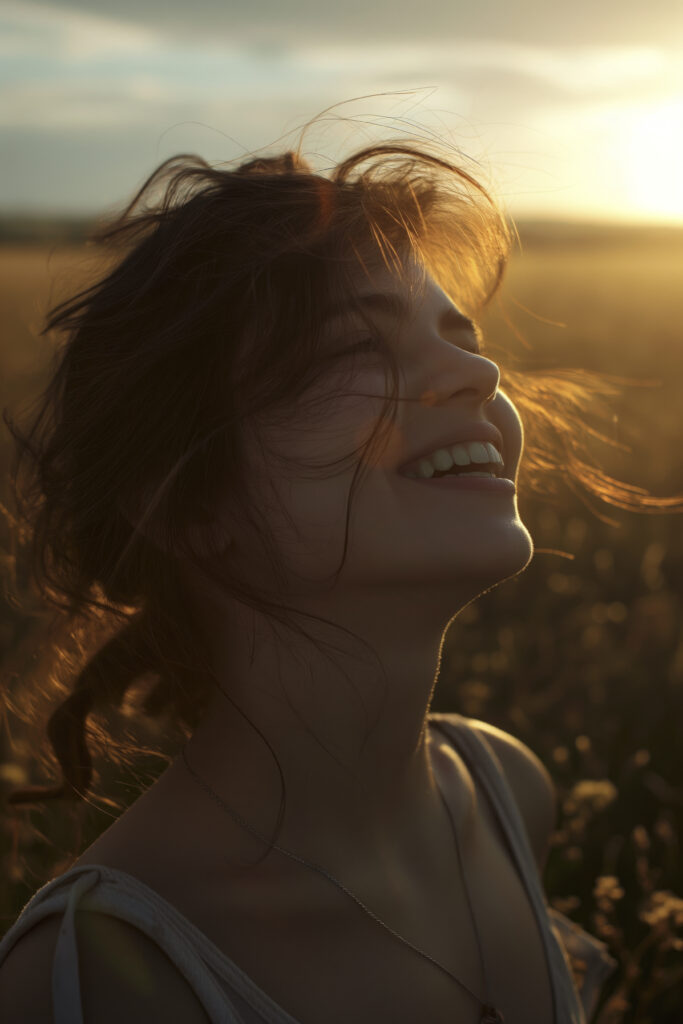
582,71
274,23
84,104
128,86
49,30
67,69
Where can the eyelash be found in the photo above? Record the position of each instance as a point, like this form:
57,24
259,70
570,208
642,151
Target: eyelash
372,344
363,344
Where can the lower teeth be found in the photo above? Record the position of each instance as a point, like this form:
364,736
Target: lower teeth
489,475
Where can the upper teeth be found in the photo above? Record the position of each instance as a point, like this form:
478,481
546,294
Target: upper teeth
461,454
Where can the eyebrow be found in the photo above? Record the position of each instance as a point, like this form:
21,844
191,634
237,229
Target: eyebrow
394,305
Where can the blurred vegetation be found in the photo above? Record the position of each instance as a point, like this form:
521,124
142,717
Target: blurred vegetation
581,656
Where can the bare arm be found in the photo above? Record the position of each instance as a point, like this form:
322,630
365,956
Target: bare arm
124,976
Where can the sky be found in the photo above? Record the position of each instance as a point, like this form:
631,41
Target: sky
568,110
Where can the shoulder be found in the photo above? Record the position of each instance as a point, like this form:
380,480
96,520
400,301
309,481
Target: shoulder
123,975
530,782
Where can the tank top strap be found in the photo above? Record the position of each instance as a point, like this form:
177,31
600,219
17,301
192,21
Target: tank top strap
486,768
105,890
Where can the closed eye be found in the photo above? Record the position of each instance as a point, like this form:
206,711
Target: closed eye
365,345
368,344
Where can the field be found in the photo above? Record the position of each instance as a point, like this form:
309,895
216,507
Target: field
581,656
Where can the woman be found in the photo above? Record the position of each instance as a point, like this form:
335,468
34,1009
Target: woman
274,444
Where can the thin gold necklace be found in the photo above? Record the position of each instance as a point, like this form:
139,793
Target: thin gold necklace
489,1014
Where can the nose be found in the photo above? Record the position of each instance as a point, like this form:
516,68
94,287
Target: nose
461,371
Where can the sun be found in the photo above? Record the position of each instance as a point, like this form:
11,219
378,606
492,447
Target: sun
652,169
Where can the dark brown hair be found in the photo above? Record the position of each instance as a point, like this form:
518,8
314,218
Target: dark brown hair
209,314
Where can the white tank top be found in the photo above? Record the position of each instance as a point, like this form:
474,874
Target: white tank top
226,993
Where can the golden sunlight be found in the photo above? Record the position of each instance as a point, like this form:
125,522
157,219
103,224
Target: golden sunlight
651,140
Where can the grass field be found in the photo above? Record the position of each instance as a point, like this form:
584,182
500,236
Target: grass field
581,657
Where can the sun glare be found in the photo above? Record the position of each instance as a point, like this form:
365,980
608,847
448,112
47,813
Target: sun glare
652,146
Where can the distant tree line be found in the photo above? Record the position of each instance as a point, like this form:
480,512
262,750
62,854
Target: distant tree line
27,229
31,229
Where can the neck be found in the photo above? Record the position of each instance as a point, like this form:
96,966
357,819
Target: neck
354,751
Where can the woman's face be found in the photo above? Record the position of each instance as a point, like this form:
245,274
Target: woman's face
402,533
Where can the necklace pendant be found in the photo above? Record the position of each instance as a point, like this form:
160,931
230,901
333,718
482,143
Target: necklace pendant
490,1015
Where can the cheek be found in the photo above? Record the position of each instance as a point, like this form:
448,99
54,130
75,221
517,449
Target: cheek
308,529
306,497
331,428
312,459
